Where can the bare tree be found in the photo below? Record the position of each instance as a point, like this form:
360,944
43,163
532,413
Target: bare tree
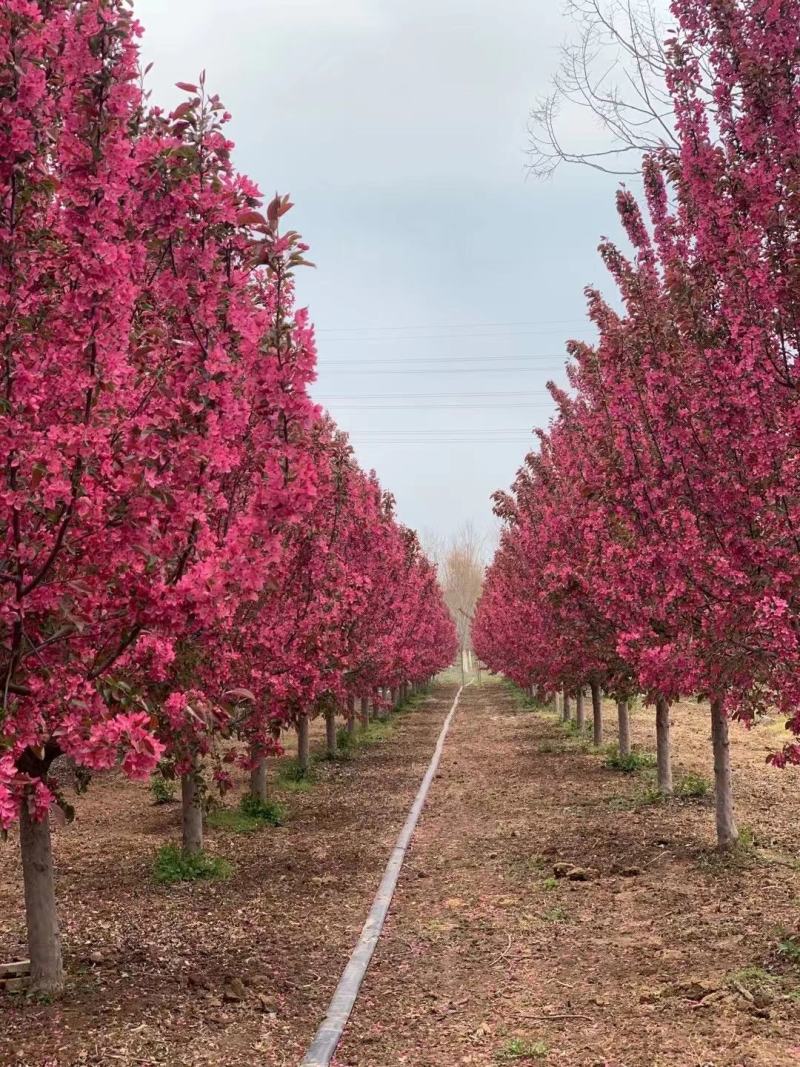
614,70
461,568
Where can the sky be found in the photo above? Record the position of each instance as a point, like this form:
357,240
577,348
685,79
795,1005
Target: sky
447,279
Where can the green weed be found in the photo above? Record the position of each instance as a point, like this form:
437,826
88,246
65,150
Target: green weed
692,786
754,979
290,775
555,915
172,866
163,789
251,816
521,1048
789,948
631,763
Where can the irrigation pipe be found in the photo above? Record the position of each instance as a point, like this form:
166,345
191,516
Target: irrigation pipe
330,1032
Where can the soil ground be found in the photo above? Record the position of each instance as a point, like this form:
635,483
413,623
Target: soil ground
666,954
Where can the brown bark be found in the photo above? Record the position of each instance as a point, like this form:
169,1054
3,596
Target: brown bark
580,711
597,714
663,752
192,813
302,743
727,833
44,938
330,733
565,711
624,722
365,711
258,781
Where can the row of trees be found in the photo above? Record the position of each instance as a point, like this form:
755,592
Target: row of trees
651,542
190,550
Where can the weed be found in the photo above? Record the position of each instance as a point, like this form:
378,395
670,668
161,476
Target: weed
253,815
291,776
631,763
555,915
269,811
163,789
789,948
746,840
572,729
377,731
692,786
566,744
648,796
550,883
754,979
521,1048
172,865
344,739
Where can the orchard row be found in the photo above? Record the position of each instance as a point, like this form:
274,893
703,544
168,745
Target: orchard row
652,543
191,554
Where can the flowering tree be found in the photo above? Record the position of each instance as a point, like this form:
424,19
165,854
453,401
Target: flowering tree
683,428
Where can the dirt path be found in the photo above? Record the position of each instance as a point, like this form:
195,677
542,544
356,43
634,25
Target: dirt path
664,956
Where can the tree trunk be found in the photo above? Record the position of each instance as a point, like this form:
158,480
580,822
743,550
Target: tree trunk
580,713
565,712
44,939
663,754
597,714
351,714
624,721
192,813
330,733
365,711
302,743
258,781
727,833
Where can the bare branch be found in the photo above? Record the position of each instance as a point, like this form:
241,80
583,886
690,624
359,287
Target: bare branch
613,70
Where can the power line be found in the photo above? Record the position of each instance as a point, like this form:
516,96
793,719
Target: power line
427,396
497,358
446,336
452,326
515,441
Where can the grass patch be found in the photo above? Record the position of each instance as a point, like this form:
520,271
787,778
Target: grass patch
289,775
550,883
555,915
251,816
173,866
630,764
754,979
264,811
692,786
568,742
572,729
522,1048
376,732
522,701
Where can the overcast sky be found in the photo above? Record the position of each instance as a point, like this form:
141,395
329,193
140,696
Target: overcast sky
447,282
